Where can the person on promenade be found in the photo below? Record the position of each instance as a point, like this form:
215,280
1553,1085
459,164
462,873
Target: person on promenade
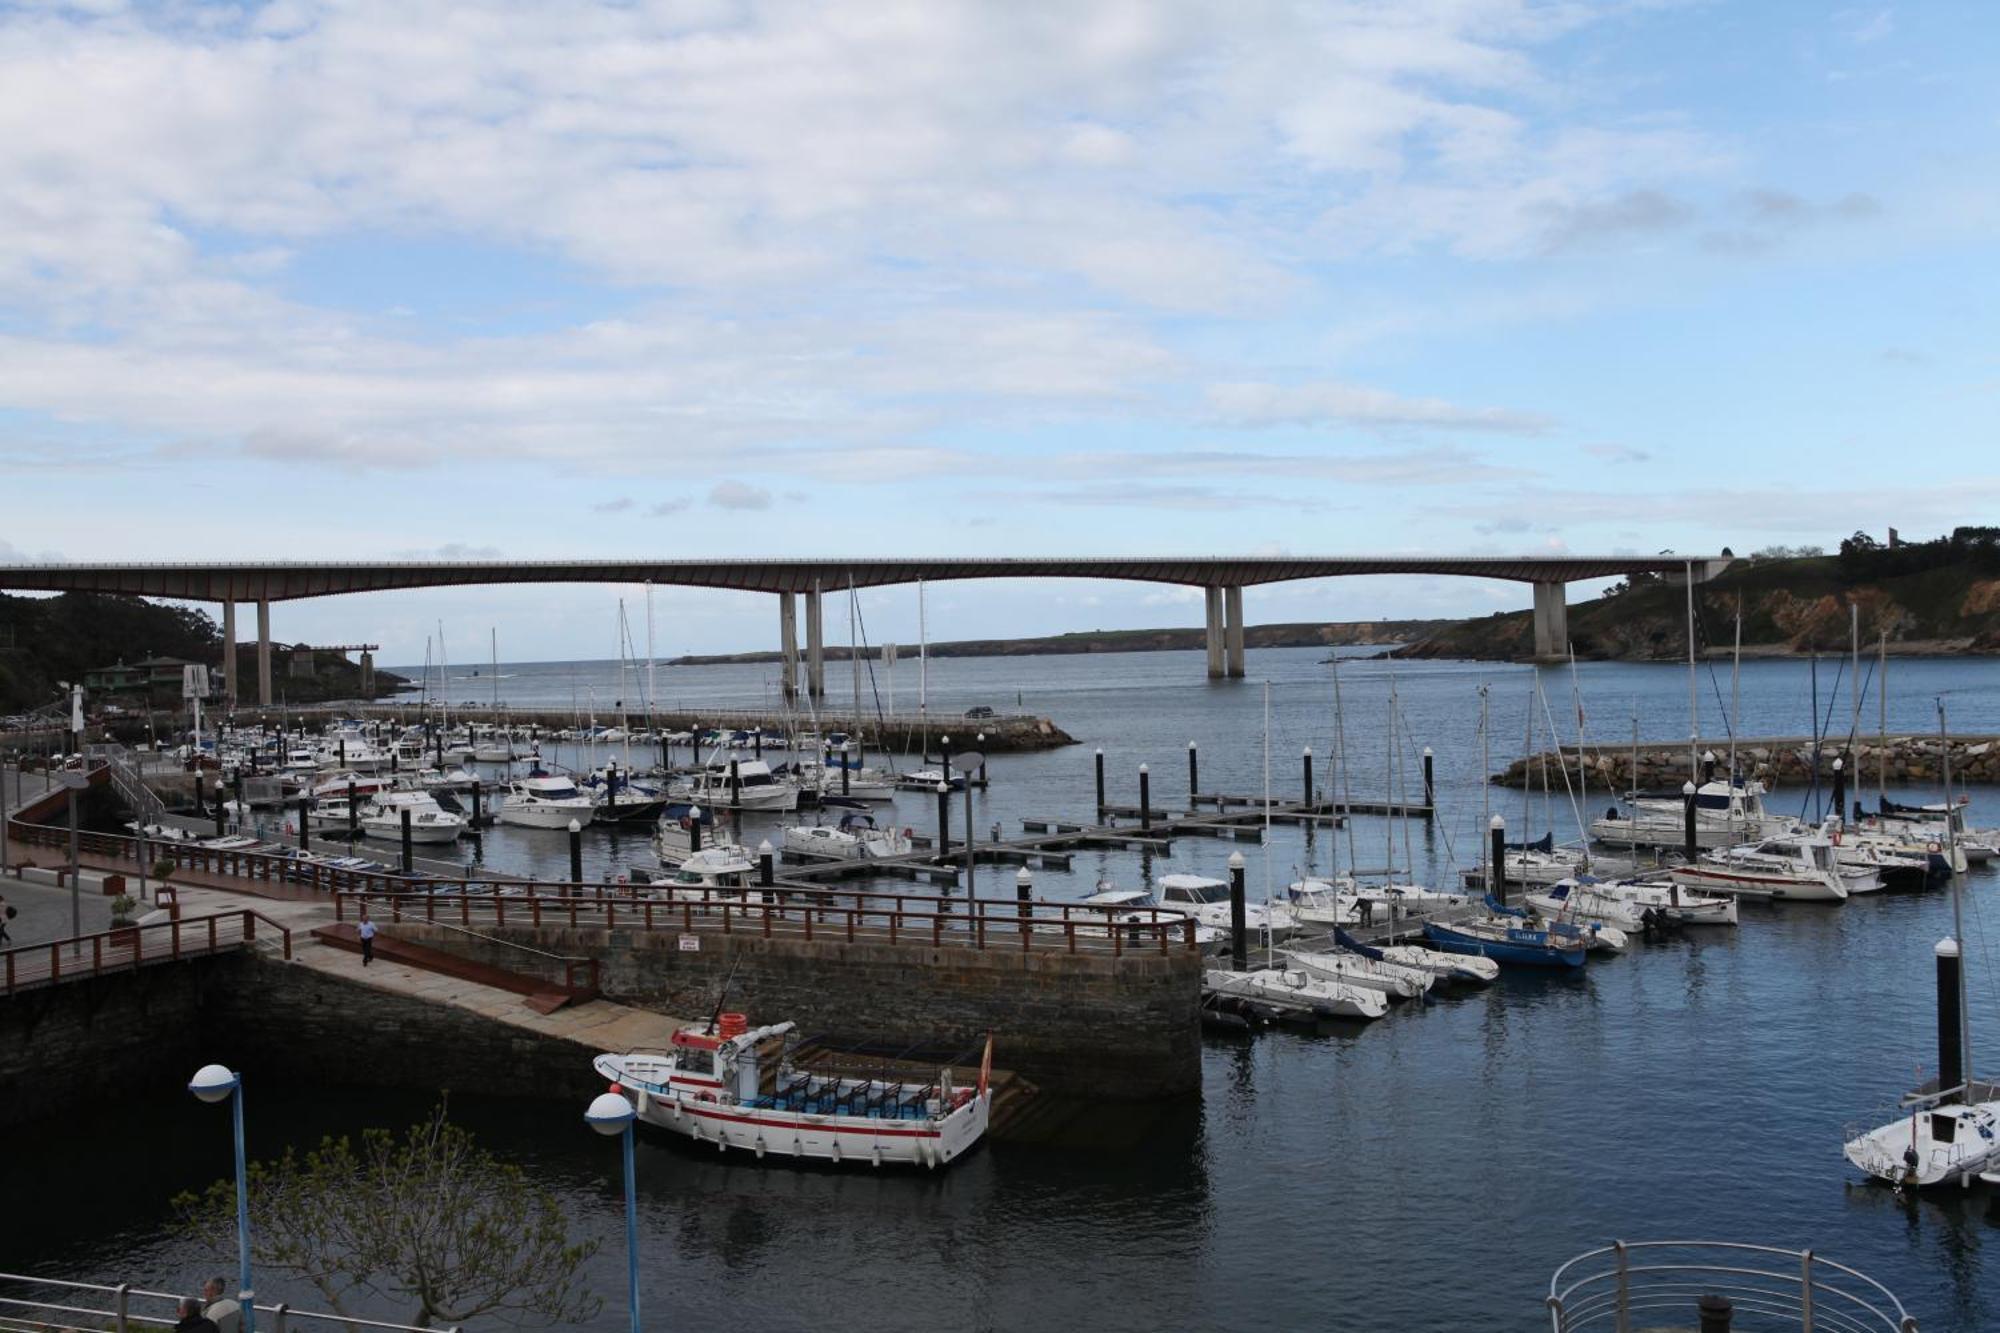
219,1307
6,911
367,933
192,1320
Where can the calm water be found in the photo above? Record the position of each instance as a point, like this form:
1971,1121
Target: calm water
1424,1173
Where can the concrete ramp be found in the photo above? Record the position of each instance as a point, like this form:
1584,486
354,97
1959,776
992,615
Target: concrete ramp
542,996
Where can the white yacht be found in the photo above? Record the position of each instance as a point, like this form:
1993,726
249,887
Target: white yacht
1136,908
1207,901
753,787
546,800
1800,867
382,817
684,829
1625,903
855,838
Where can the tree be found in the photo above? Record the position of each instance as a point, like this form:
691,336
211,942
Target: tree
428,1219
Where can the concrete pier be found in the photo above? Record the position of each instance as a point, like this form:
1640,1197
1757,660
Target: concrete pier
788,642
264,652
1212,596
1551,620
815,647
229,653
1232,603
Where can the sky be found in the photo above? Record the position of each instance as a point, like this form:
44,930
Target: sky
492,280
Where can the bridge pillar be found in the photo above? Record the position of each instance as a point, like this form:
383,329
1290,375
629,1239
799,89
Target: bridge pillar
1232,606
229,653
367,675
264,652
788,643
1551,620
815,648
1213,597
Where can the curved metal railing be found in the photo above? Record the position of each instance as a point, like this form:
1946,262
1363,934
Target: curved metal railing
1623,1286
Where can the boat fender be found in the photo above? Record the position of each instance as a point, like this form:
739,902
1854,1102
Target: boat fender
708,1096
641,1100
760,1147
876,1153
836,1150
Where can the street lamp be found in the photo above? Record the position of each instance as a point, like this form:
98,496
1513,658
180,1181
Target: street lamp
212,1083
610,1114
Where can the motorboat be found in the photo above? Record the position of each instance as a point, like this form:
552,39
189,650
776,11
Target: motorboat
382,817
1318,904
1136,908
736,1087
547,801
1295,991
1352,969
1800,867
684,828
622,800
855,838
741,784
927,779
1207,901
713,874
853,783
1933,1143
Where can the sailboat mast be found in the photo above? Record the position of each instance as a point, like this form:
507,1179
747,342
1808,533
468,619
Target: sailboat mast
1269,939
649,654
853,653
444,679
1882,717
1957,893
1340,748
924,674
1485,787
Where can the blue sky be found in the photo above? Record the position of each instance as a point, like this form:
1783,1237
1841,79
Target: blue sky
375,280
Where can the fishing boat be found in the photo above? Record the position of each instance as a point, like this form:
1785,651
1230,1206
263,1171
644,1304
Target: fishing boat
735,1086
1799,868
547,801
1294,991
855,838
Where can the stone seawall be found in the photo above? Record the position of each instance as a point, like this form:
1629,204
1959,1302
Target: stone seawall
93,1041
1777,763
1085,1023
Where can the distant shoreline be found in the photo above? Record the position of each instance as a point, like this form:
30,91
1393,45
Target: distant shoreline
1311,634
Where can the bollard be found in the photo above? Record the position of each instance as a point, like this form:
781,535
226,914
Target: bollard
1024,884
666,751
1707,766
1496,864
944,820
767,870
409,851
353,811
1950,1027
970,873
1689,843
1239,930
1194,774
735,783
1145,800
944,746
478,789
1307,799
198,811
1839,801
694,829
611,786
305,823
1100,781
846,782
343,751
575,852
1716,1314
982,758
757,743
1430,781
437,744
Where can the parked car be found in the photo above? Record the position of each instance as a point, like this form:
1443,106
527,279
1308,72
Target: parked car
981,711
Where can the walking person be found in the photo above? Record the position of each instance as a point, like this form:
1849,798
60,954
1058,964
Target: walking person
367,932
219,1308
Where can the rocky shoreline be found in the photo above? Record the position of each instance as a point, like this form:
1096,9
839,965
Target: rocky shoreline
1779,762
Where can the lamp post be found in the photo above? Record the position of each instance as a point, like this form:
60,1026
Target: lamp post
212,1083
610,1114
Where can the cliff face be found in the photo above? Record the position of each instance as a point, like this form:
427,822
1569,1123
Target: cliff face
1788,606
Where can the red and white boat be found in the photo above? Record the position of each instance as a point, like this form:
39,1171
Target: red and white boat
735,1087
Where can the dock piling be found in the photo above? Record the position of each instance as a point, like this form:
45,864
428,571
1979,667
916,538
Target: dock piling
1307,798
1100,780
1145,800
575,849
1950,1029
767,871
1430,781
1239,945
1496,865
944,818
305,822
1194,774
409,851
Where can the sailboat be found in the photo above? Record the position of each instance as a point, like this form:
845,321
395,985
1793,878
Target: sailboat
1948,1134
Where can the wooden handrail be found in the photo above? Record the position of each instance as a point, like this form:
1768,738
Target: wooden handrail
125,947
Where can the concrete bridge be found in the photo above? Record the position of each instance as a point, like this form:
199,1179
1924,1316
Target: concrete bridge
1222,578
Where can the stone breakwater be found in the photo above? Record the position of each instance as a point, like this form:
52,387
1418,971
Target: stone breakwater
1785,762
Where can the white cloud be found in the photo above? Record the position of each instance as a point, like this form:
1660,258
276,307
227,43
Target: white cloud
1314,404
739,495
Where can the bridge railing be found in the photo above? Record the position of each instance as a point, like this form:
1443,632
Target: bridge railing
125,948
783,911
53,1304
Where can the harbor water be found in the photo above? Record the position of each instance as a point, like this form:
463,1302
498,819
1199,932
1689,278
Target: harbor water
1426,1172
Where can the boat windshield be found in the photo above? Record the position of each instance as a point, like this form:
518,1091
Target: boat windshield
1210,891
566,792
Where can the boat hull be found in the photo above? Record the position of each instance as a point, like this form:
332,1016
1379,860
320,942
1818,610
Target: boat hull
1507,953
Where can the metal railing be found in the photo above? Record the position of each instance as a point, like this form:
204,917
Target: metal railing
815,914
1762,1285
124,948
125,1308
126,780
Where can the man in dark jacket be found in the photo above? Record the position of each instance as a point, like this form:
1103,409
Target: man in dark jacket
192,1320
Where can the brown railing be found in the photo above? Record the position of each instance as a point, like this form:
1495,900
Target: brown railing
571,964
843,915
123,948
813,913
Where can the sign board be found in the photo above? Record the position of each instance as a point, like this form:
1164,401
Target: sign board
194,682
690,944
968,761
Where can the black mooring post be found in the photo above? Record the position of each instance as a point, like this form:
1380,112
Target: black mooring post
305,823
1951,1026
1496,865
1430,780
1307,798
694,829
1145,800
1239,928
767,867
735,783
478,795
575,852
1194,774
1715,1314
944,819
353,811
1100,782
409,851
1689,849
220,812
1839,802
